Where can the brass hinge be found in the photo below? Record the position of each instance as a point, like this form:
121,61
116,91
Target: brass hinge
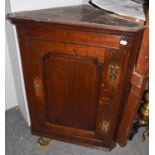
105,126
113,72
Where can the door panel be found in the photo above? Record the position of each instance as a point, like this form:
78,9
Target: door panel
77,92
71,84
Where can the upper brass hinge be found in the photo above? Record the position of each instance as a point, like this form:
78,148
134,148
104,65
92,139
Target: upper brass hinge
113,72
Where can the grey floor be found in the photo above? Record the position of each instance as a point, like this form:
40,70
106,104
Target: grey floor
19,141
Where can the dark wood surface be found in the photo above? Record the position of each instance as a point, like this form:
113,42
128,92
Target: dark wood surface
68,72
140,77
82,15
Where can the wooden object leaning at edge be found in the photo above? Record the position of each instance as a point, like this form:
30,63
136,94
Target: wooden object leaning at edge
138,81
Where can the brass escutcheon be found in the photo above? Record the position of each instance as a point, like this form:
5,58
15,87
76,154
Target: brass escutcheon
37,86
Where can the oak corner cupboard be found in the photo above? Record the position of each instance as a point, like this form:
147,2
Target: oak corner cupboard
77,64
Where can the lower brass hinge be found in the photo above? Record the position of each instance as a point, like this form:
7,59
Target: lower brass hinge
105,126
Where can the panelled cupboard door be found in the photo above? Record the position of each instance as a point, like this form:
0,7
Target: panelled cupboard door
76,90
74,83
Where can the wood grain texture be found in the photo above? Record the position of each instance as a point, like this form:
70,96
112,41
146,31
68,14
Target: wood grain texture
71,92
82,15
138,81
67,73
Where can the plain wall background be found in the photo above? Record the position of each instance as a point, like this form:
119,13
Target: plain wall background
19,5
11,97
15,89
13,81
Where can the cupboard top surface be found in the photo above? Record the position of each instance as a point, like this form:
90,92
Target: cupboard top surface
81,15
